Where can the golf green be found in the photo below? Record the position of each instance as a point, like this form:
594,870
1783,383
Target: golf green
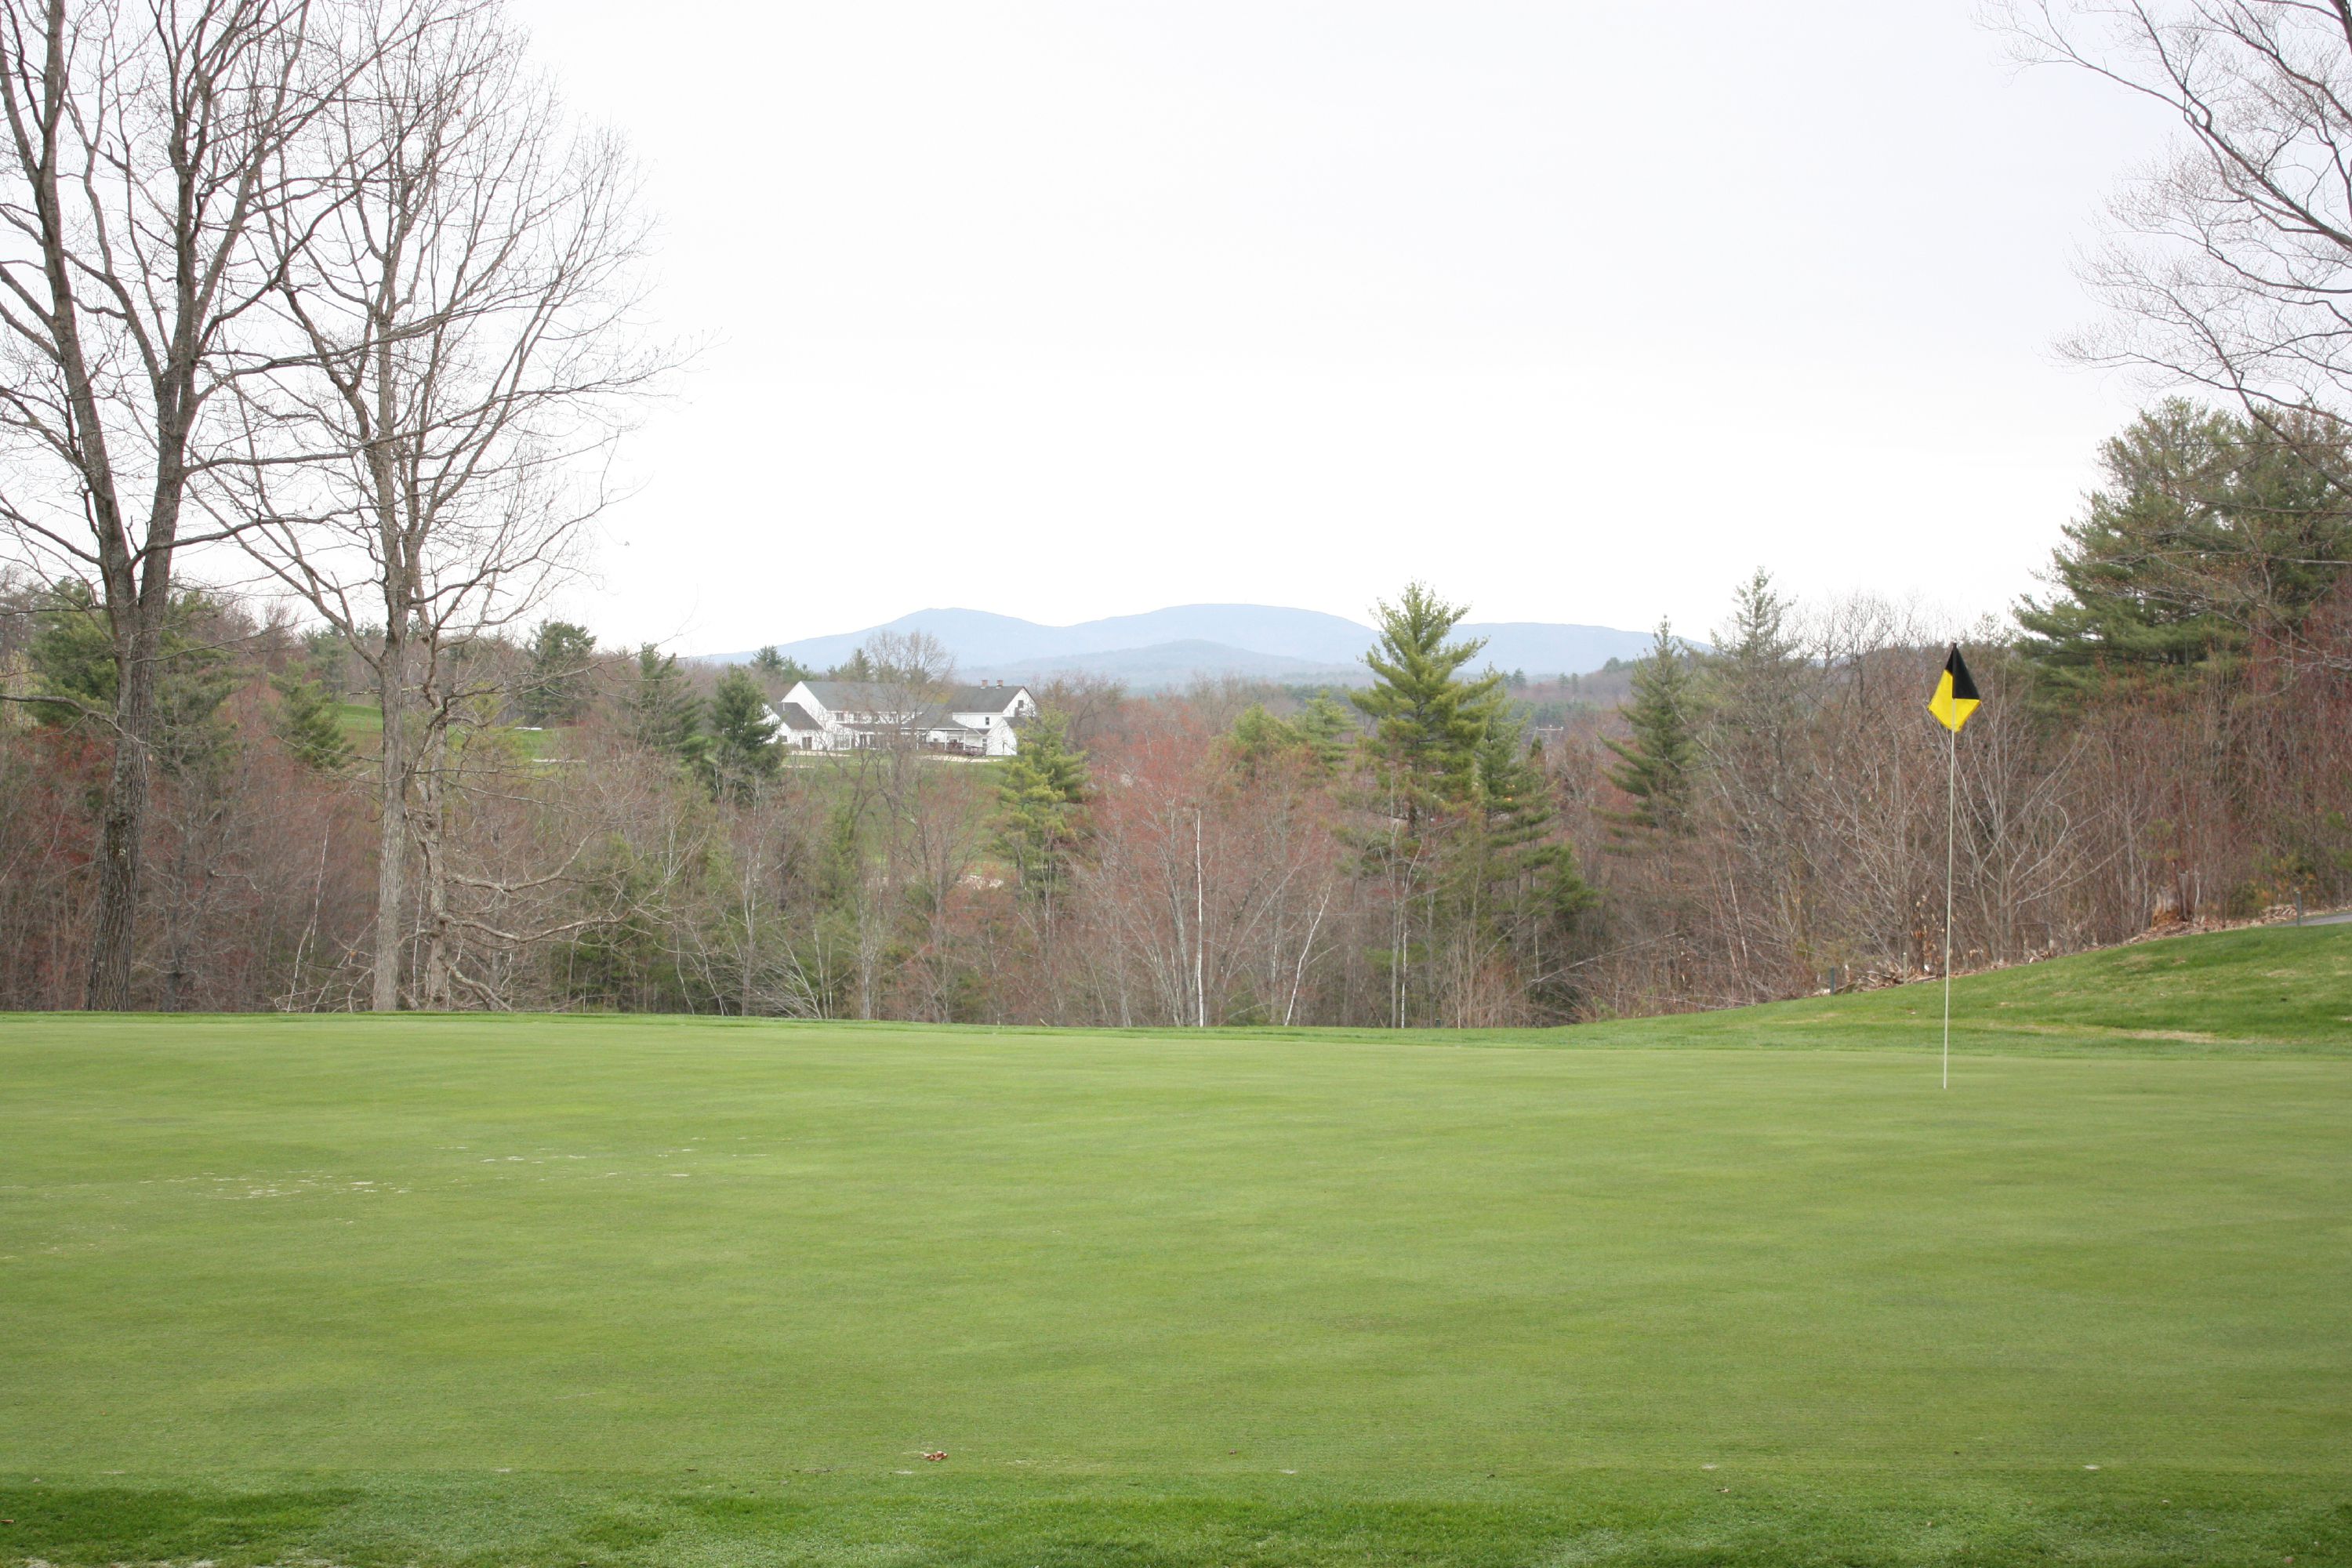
521,1290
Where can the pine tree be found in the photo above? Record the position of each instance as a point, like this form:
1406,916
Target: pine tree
305,723
72,657
1259,741
1529,877
1515,804
1427,719
776,672
1658,765
1040,793
555,692
1328,731
329,661
1754,679
2208,532
662,715
739,754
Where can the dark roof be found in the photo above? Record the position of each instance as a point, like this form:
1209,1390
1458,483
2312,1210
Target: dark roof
881,697
796,716
854,696
983,699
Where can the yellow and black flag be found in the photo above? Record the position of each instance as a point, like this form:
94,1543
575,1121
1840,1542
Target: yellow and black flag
1956,694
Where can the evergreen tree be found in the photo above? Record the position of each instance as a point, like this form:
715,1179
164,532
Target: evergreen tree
305,722
662,715
739,752
328,661
1658,765
2208,532
1527,874
1258,741
1515,806
776,672
1427,719
1755,678
555,692
1039,795
1328,730
72,657
1315,739
1430,727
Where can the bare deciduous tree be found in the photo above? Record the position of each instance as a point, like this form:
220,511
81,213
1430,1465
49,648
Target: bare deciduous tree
148,147
460,293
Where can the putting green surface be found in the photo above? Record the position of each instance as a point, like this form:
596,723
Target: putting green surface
664,1291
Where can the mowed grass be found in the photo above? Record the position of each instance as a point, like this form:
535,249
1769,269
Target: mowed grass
2284,988
602,1290
363,726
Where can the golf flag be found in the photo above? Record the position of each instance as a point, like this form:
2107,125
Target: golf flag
1956,694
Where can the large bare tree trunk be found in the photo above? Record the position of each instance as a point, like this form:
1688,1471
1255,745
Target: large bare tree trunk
437,980
392,823
122,830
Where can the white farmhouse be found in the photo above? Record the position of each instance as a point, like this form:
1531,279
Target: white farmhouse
980,721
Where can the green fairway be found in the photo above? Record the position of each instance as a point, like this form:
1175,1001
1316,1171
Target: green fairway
363,726
664,1291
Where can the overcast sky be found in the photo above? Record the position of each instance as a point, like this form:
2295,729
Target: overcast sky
1578,310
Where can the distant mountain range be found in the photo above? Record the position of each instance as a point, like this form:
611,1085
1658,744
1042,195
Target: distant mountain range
1170,647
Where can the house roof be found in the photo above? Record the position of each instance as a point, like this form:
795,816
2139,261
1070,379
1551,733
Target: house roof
882,697
983,699
795,717
849,696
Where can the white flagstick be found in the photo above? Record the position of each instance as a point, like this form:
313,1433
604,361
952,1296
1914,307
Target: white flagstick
1951,834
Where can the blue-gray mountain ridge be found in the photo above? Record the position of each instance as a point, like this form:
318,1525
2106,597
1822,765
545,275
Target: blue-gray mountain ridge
1169,646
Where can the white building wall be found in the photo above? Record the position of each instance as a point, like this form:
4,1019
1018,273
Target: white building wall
997,736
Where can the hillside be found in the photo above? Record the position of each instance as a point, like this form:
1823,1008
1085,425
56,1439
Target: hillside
2268,987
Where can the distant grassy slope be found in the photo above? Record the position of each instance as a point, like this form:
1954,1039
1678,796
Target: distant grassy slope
362,722
363,726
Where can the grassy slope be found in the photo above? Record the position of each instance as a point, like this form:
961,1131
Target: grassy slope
664,1291
2278,986
362,722
363,726
2264,990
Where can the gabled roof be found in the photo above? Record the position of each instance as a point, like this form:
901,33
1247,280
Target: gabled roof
883,697
983,699
795,717
856,695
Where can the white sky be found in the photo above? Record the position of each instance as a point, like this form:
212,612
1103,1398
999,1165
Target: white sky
1579,311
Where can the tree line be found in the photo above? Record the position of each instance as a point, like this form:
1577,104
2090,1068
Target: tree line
2167,736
